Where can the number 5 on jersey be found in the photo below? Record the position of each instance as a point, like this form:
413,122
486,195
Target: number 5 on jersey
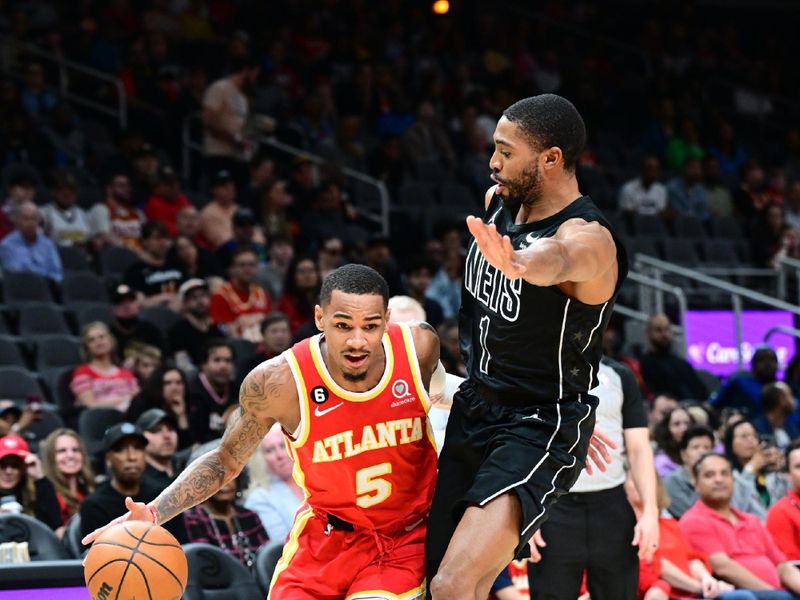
371,489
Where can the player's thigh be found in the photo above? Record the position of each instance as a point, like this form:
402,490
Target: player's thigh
484,541
397,573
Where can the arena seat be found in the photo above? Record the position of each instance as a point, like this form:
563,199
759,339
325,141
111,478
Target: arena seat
83,287
17,383
72,536
92,425
73,258
39,319
266,561
115,260
215,575
20,288
10,353
42,542
57,351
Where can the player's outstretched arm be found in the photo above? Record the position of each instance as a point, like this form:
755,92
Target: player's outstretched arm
263,399
580,251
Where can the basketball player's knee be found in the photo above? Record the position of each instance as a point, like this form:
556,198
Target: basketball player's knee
450,586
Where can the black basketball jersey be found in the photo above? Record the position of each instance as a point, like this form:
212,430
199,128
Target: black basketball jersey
523,338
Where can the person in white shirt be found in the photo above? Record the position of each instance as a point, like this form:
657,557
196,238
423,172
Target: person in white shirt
644,195
65,223
593,528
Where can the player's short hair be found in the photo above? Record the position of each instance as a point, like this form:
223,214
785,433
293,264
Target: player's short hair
549,120
354,279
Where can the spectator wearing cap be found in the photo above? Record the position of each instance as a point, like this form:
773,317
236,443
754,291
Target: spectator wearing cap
245,233
116,221
124,447
166,200
188,337
126,326
239,305
225,114
66,223
161,431
99,382
27,249
152,277
210,391
216,218
21,476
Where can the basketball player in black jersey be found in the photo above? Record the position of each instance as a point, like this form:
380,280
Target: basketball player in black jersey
541,276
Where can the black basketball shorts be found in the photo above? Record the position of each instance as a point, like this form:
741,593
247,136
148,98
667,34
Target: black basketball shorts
536,451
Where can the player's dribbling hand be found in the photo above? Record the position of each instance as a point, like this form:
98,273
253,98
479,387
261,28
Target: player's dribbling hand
496,249
537,541
598,452
137,511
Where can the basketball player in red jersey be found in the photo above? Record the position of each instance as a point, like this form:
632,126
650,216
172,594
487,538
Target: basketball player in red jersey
353,404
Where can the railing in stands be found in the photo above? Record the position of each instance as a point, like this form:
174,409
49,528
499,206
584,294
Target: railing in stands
657,268
13,54
787,265
653,303
190,146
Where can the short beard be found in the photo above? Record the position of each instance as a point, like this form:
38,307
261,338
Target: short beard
527,189
356,377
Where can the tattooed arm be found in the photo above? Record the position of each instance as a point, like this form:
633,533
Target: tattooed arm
267,395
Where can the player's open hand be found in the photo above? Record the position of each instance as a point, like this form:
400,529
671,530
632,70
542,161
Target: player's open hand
137,511
646,534
537,541
496,249
598,453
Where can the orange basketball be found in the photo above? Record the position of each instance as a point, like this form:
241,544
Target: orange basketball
136,560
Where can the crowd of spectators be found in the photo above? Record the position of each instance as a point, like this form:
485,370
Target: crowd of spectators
196,280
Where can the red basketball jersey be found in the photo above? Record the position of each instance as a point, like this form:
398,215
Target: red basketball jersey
366,457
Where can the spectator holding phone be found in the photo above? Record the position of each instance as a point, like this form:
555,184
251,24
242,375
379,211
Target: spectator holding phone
779,419
757,466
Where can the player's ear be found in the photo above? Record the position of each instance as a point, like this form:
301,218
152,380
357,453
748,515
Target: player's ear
318,316
551,157
388,315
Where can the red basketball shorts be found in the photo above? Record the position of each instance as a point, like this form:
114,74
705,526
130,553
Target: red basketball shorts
349,565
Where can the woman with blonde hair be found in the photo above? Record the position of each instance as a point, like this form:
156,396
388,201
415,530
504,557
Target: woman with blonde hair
99,382
65,463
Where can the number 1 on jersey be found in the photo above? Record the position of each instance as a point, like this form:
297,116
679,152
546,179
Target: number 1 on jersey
485,356
370,486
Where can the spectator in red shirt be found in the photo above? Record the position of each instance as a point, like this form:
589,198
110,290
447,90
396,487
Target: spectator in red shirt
739,548
166,200
783,519
240,305
99,382
300,292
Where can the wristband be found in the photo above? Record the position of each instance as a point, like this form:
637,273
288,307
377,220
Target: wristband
153,513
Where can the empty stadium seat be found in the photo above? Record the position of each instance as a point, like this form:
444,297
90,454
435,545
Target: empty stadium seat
726,227
649,226
720,253
46,423
92,311
42,319
688,227
42,542
115,260
73,258
266,560
416,194
162,318
57,351
215,575
20,288
72,536
10,354
17,383
83,287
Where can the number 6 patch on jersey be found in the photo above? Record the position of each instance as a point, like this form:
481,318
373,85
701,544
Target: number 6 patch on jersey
319,394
